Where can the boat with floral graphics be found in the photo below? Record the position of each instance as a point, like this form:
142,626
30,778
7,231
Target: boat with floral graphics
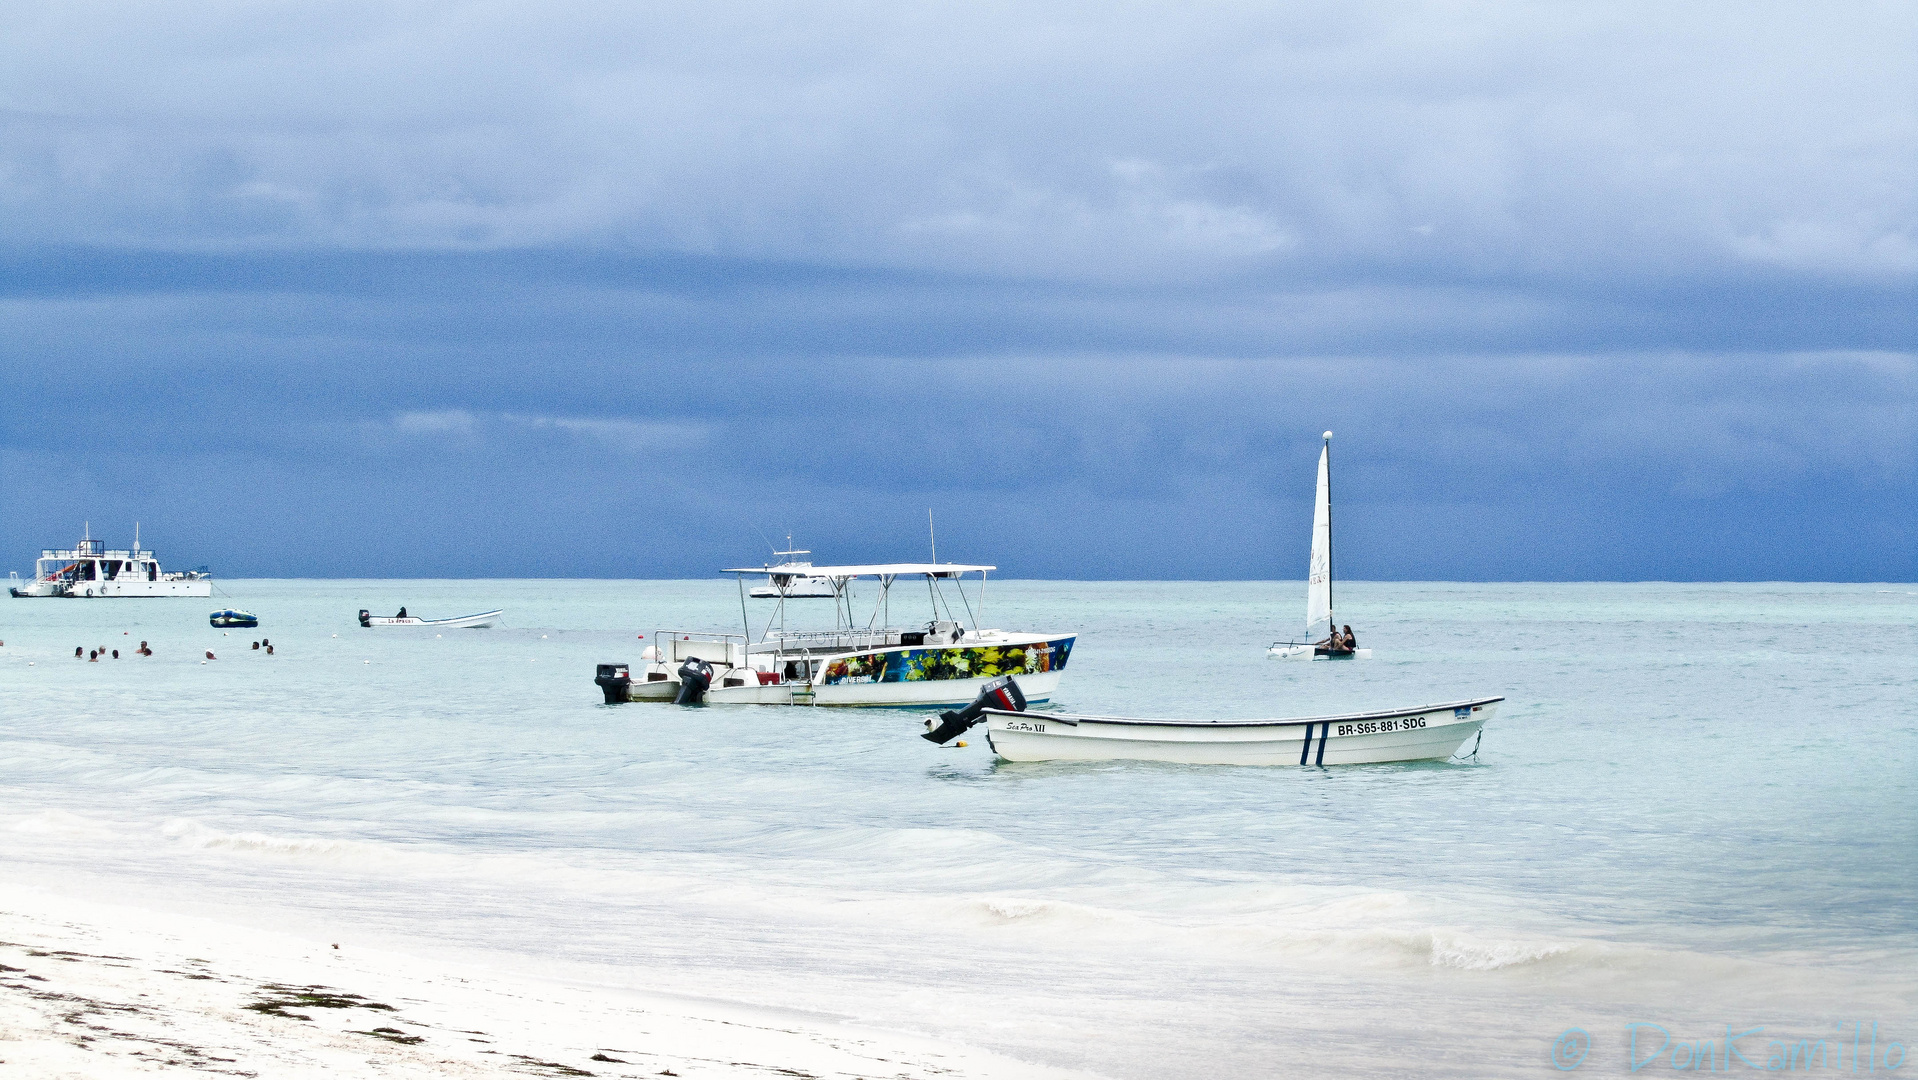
863,660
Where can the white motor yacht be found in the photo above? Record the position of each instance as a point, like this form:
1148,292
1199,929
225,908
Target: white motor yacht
860,661
794,579
92,570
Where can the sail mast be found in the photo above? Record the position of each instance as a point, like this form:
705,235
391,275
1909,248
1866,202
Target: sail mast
1329,609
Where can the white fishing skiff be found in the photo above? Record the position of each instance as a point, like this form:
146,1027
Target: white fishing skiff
90,570
1321,629
943,661
464,622
1431,732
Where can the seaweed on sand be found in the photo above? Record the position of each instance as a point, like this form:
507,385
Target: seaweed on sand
309,997
391,1034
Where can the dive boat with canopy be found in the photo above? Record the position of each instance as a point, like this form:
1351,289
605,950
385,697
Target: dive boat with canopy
860,661
1321,628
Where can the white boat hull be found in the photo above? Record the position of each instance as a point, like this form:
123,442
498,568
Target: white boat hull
464,622
96,590
946,692
1308,652
1431,732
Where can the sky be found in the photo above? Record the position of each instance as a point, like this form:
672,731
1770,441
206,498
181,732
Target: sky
1587,292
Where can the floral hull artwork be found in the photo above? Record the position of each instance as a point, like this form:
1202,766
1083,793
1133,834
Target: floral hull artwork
935,665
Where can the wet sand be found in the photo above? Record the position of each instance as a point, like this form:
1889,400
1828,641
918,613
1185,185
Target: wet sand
99,991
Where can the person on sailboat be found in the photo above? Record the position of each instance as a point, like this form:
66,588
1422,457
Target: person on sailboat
401,615
1351,643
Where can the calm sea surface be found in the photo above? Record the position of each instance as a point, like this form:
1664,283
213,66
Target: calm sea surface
1698,807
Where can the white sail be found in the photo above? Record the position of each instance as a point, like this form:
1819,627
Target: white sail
1318,587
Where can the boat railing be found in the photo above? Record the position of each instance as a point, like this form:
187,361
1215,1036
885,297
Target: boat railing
817,640
674,647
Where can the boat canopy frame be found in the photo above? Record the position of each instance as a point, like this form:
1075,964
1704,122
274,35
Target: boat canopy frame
842,577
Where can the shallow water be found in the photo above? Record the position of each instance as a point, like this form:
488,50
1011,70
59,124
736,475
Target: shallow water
1696,808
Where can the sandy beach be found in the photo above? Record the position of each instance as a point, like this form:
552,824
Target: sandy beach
99,991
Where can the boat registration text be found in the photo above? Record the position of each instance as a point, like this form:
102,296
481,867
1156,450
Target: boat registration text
1375,727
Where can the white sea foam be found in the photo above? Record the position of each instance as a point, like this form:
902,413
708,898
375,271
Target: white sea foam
1474,954
196,835
60,824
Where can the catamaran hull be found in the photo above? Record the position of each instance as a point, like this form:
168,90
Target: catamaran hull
1308,652
97,590
942,693
1433,732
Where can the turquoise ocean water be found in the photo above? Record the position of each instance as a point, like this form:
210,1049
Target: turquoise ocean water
1697,808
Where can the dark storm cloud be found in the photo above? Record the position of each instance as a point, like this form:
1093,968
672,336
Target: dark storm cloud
1587,292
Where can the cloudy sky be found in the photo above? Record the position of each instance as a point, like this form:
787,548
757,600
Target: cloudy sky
1619,291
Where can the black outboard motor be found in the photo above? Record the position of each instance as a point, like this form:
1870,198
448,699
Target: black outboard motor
1001,693
617,681
695,675
366,617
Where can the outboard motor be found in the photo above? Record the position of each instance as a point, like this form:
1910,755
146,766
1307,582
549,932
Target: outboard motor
366,617
617,681
695,675
1001,693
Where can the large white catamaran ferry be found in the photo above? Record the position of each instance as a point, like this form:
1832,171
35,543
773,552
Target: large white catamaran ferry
94,570
862,660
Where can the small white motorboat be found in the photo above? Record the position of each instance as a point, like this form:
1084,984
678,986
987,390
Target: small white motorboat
1430,732
1321,629
472,622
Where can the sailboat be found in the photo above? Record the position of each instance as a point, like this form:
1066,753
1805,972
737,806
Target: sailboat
1319,623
